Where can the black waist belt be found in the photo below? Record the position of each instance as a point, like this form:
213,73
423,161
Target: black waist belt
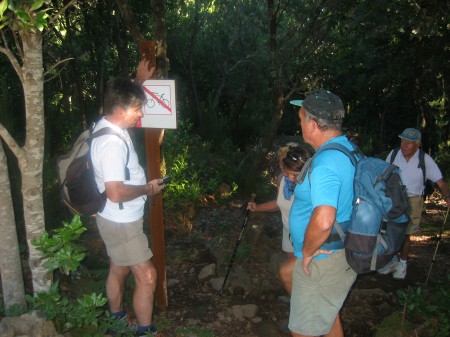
334,237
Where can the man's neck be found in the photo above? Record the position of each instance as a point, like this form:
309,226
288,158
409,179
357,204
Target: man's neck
325,136
407,158
114,120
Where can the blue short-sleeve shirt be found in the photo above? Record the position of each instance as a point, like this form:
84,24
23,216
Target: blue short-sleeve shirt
330,184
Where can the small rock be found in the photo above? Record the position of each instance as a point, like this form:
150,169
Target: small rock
207,272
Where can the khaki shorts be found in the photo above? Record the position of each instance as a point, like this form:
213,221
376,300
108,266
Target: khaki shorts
126,243
415,204
317,299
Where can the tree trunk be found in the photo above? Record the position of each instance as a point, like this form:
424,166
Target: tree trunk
10,264
160,31
277,99
32,164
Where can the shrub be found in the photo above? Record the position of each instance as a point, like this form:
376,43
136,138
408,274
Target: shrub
196,169
425,306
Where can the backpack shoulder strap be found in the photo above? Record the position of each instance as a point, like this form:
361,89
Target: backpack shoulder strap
353,155
422,165
109,131
394,154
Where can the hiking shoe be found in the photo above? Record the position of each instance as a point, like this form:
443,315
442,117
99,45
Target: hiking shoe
400,271
152,331
390,267
121,326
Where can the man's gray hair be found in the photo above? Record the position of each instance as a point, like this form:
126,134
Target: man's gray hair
334,123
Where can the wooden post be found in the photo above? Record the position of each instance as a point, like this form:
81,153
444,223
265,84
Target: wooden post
153,141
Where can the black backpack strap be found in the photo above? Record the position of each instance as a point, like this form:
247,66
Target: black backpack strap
110,131
422,166
394,154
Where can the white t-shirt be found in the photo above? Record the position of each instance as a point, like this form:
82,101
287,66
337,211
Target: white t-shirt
109,157
411,173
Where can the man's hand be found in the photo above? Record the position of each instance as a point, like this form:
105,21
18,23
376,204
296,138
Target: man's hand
251,206
155,186
143,73
307,260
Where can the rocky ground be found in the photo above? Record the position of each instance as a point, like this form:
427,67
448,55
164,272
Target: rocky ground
253,303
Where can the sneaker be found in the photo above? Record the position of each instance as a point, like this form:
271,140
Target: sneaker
152,331
400,271
390,267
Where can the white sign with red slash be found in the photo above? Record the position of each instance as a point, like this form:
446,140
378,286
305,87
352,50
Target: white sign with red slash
160,107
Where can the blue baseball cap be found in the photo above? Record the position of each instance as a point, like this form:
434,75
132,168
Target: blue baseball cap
411,134
322,104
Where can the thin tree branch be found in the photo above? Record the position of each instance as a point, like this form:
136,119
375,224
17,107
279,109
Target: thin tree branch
61,11
12,144
57,64
11,57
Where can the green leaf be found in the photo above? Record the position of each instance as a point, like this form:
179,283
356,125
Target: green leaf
24,16
37,4
3,7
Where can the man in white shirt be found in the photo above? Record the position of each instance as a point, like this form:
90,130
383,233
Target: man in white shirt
120,223
407,159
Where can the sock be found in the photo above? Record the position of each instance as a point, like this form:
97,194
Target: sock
145,328
118,314
402,261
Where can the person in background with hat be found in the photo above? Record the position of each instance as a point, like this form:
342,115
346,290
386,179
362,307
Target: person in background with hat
407,159
322,277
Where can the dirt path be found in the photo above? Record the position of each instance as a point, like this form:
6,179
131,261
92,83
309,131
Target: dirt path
197,310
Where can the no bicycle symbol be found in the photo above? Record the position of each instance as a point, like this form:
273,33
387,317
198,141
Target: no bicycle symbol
158,100
160,108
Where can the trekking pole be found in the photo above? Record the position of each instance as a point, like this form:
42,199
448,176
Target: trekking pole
244,225
437,246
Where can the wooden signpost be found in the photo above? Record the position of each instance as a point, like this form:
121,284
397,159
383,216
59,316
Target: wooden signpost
153,141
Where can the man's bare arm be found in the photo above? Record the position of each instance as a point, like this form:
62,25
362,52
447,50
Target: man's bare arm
317,232
117,191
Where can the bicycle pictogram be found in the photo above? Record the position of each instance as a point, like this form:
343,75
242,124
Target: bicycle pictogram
151,102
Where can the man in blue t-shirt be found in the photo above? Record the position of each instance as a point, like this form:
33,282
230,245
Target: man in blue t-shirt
322,277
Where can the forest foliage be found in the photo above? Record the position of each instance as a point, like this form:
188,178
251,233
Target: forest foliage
388,60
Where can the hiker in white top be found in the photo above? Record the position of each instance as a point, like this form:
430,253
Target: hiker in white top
290,167
411,173
120,223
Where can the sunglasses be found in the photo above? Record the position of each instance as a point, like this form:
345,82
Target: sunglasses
294,157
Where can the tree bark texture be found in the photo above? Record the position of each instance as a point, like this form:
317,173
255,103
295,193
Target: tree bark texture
10,263
31,165
130,22
160,33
